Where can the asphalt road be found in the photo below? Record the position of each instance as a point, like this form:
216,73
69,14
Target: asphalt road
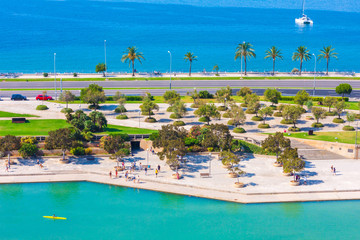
182,86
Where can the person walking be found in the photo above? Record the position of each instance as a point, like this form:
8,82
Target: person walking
116,173
140,166
110,174
158,168
145,170
156,172
334,171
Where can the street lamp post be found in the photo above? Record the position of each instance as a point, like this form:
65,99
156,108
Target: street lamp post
105,58
147,157
170,67
210,164
314,75
55,75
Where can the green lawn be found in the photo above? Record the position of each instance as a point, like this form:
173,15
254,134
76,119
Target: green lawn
341,137
9,114
42,127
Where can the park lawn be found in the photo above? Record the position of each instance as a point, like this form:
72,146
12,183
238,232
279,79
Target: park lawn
341,137
41,127
9,114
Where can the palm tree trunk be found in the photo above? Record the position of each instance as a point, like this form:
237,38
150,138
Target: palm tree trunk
133,69
273,67
300,66
245,64
190,69
327,66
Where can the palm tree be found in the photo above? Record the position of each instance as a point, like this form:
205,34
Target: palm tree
302,53
190,57
273,53
327,53
244,50
130,56
216,68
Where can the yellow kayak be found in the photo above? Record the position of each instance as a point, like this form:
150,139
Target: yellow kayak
55,218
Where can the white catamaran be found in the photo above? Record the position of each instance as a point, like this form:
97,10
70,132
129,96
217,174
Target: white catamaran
304,20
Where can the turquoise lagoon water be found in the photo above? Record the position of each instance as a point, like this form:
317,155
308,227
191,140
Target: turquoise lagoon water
97,211
31,31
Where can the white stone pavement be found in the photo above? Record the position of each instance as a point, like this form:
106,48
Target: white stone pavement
263,182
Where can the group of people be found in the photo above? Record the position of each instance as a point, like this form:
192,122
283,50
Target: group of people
133,167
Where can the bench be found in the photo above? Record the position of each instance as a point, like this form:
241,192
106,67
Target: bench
204,175
18,120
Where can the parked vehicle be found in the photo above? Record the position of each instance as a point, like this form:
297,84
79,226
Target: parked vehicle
43,97
18,97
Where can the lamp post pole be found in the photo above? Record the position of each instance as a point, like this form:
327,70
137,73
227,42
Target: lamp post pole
170,67
105,58
314,75
55,75
210,164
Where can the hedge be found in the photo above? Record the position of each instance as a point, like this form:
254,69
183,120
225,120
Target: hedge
338,120
348,128
317,125
262,125
179,123
150,120
122,117
239,130
42,107
257,118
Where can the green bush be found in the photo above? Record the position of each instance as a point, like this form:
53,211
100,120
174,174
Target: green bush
150,120
239,130
257,118
348,128
179,123
203,119
175,116
338,120
277,114
284,121
88,151
317,125
93,107
78,151
262,125
294,129
226,115
222,108
169,109
45,74
273,107
120,109
230,122
66,110
189,141
205,94
75,74
136,98
122,117
42,107
146,113
249,147
357,116
330,113
194,105
28,150
250,111
243,105
154,136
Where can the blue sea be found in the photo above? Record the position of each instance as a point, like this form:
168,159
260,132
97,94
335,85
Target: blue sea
32,31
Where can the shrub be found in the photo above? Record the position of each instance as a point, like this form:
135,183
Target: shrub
88,151
230,122
294,129
45,74
317,125
273,107
120,109
122,117
330,113
257,118
28,150
150,120
309,118
277,114
179,123
145,113
203,119
66,110
262,125
94,107
243,105
357,116
226,115
194,105
191,141
75,74
169,109
338,120
250,111
31,140
222,108
239,130
42,107
77,151
205,94
348,128
175,116
154,136
136,98
284,121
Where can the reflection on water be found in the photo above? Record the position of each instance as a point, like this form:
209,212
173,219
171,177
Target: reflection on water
11,190
117,189
171,200
63,193
233,208
292,210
